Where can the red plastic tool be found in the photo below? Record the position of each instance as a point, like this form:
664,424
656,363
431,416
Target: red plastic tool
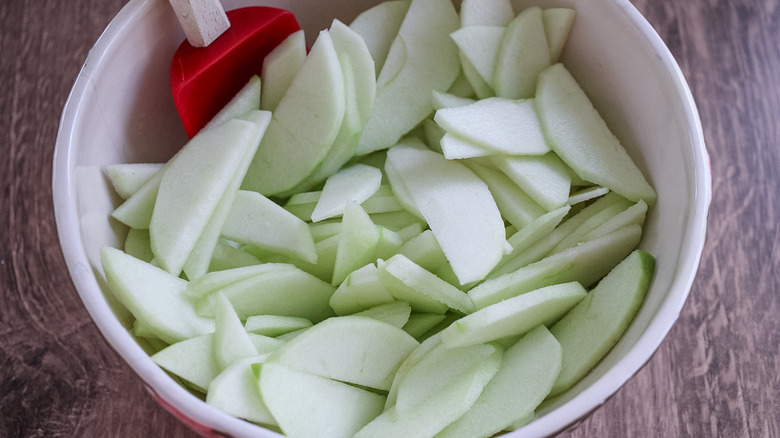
204,79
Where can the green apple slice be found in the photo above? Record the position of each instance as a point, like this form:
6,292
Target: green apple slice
514,316
153,295
360,86
455,147
507,126
420,323
265,344
486,13
528,370
557,25
437,370
388,244
441,408
422,58
514,204
441,100
128,178
586,194
184,204
585,263
432,135
597,220
305,405
304,125
246,100
200,258
418,299
256,220
214,281
379,26
458,207
632,215
357,242
523,54
479,44
136,211
284,292
401,276
396,313
191,359
424,251
544,178
280,67
578,134
234,391
482,88
533,232
274,325
138,245
355,183
361,290
594,326
228,255
353,349
231,341
544,245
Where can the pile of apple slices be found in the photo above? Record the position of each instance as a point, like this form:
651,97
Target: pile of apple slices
420,228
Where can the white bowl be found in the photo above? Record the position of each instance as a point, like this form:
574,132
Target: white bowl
120,110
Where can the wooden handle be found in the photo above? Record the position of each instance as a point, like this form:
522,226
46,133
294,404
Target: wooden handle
202,20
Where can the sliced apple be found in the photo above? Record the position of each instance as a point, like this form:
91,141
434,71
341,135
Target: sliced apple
353,349
528,370
274,325
440,408
486,13
184,205
514,316
578,134
128,178
247,99
544,178
355,183
396,313
557,25
292,396
231,341
479,44
458,207
357,242
402,276
280,67
506,126
361,290
286,292
514,204
594,326
379,26
200,257
424,58
523,54
191,359
256,220
585,263
155,296
304,125
234,391
360,87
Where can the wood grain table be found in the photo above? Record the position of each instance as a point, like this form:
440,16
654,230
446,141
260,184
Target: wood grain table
716,375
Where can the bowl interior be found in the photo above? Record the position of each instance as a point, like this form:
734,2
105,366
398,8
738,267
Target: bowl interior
121,111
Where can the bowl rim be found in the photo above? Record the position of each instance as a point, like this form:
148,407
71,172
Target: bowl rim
208,420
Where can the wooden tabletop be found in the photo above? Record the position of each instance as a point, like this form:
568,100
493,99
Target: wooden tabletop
715,375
